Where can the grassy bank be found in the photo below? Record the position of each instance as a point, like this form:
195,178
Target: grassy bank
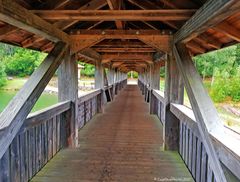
9,91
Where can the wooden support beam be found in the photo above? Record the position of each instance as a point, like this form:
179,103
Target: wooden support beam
173,94
209,15
16,15
13,116
99,84
125,50
68,90
116,5
94,4
118,34
159,56
228,30
94,25
155,75
127,56
121,44
80,44
160,40
116,15
195,46
150,5
205,39
157,42
203,108
6,30
89,54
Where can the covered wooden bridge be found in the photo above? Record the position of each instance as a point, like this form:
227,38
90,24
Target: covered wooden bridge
118,132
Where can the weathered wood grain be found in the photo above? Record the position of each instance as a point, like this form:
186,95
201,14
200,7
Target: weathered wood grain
226,154
210,14
13,116
203,109
16,15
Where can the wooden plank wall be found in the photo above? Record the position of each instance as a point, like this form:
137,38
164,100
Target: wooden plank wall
191,147
88,106
41,137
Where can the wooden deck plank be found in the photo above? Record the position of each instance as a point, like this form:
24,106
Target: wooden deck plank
122,144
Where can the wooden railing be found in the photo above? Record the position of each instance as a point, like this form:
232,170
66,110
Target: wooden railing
46,132
88,106
191,147
158,108
91,103
42,135
193,152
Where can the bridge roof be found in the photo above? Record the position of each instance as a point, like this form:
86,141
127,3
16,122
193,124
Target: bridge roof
119,26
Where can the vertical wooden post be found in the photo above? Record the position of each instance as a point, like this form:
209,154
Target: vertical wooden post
13,116
68,90
111,76
99,84
148,79
173,94
154,84
203,107
111,80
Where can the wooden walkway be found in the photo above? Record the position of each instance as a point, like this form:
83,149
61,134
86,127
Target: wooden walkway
123,144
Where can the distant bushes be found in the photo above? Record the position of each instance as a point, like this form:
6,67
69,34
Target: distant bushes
23,62
135,74
88,70
2,74
226,86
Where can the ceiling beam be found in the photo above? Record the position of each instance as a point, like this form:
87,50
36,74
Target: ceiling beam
94,4
121,44
89,54
210,14
116,5
150,5
127,56
159,40
115,15
117,49
228,30
6,30
120,34
16,15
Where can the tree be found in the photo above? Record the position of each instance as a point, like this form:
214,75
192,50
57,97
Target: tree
23,62
88,70
2,74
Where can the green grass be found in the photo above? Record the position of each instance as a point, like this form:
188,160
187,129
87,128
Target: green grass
14,84
44,101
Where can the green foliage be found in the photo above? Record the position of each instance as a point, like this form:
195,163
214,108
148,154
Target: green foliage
235,86
23,62
88,70
223,66
162,72
219,90
135,74
2,74
226,85
224,59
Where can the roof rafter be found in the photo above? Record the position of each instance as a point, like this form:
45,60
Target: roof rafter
210,14
116,5
114,15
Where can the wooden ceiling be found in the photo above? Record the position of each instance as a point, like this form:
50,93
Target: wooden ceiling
121,33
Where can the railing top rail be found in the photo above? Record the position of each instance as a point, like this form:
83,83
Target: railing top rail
89,95
159,95
38,117
108,87
226,143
